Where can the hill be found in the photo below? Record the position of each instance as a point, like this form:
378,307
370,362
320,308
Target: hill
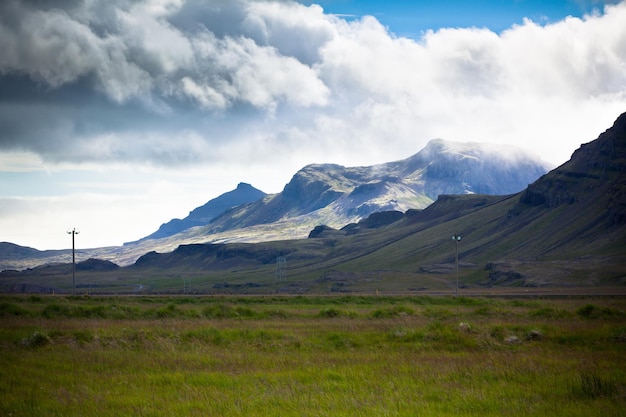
13,256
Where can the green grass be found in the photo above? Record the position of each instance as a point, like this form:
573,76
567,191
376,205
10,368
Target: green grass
311,356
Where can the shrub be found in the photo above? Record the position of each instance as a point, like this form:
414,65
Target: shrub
593,385
245,312
219,311
205,335
84,336
10,309
340,341
406,335
437,313
276,314
36,339
549,313
330,313
591,311
170,310
55,310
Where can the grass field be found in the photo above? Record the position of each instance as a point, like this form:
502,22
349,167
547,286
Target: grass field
312,356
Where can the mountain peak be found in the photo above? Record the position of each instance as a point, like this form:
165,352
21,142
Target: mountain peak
244,186
473,168
201,216
479,150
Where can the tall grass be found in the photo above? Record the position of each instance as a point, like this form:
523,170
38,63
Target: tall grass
303,357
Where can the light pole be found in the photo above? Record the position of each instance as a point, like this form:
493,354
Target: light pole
456,239
73,232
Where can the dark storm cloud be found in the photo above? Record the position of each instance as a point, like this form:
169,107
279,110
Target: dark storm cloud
72,124
78,71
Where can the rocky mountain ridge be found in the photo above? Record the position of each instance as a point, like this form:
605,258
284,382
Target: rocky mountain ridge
335,195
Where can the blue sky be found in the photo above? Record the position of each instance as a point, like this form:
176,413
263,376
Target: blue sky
413,18
118,116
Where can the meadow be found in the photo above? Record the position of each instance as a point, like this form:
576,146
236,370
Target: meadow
312,356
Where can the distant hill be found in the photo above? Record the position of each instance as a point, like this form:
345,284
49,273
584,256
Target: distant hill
203,215
13,256
14,251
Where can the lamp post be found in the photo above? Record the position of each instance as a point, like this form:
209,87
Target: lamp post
73,232
456,239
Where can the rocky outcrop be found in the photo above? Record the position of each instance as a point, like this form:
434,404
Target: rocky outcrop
93,264
323,231
310,188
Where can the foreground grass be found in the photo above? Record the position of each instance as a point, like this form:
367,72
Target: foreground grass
307,356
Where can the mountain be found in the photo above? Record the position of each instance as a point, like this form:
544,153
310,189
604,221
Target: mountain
567,228
336,195
201,216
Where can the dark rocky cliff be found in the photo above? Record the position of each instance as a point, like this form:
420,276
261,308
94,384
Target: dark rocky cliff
596,168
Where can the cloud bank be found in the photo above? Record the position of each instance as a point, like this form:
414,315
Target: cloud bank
175,82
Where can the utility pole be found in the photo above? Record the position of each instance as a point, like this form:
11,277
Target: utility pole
73,232
456,239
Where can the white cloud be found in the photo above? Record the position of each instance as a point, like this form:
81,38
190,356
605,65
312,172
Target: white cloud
325,78
294,30
535,86
205,95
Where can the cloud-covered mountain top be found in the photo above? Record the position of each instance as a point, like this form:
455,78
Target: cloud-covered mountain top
473,167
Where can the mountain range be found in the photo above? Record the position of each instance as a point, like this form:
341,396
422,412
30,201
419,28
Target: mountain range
328,194
566,229
335,195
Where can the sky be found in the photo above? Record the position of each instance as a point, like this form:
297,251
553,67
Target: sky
117,116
